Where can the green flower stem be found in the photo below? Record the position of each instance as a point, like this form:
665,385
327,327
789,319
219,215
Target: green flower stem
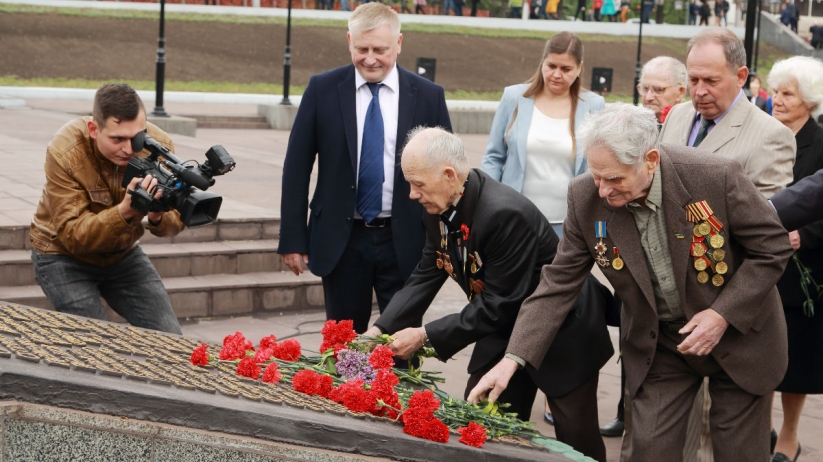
806,280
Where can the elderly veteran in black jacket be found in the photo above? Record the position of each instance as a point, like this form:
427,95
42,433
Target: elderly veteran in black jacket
493,242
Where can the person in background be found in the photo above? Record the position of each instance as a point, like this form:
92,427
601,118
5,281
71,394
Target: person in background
581,10
705,13
694,12
532,144
597,5
419,6
609,11
515,9
662,84
797,85
721,9
757,98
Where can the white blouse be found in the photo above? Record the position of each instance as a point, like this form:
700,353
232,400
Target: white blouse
549,165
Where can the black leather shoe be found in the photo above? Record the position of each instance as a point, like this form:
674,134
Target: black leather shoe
613,428
780,457
547,416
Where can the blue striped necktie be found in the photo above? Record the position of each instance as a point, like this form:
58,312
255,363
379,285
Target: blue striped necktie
370,174
705,124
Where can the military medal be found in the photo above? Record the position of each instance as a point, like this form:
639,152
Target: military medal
443,235
698,249
600,247
716,241
618,262
706,243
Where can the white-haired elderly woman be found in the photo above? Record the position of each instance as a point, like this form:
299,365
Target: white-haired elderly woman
662,84
797,85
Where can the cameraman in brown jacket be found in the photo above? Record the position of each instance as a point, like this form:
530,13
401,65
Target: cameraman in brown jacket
85,233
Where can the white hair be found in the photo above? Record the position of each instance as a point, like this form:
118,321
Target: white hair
807,73
629,132
442,148
673,69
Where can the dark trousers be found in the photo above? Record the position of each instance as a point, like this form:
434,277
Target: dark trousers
368,265
661,408
575,414
131,287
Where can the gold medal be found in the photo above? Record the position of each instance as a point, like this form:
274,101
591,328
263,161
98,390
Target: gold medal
696,231
721,268
474,267
700,264
617,263
702,277
716,241
717,280
718,255
704,228
698,249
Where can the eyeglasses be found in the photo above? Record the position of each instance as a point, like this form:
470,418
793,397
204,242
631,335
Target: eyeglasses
643,89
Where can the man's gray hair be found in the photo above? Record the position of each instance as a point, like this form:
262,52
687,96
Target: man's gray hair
807,73
673,69
370,16
732,46
442,148
628,131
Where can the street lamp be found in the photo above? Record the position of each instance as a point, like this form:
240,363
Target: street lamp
161,66
287,60
643,4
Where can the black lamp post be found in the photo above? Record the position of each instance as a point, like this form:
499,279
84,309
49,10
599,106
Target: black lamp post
639,47
161,66
287,60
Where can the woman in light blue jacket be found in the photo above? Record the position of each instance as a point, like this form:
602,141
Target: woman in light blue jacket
532,146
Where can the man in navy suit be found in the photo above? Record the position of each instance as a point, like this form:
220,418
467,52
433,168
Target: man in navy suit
363,232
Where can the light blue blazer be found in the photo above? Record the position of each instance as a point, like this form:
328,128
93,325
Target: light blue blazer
505,159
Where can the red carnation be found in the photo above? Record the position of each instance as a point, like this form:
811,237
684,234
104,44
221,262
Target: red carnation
664,113
312,383
267,342
473,435
424,400
199,357
263,354
248,368
437,431
271,374
381,358
337,335
235,346
287,350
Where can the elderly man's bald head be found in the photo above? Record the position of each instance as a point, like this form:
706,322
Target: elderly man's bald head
435,165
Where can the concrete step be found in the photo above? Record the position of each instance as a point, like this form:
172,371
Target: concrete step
215,294
171,260
17,237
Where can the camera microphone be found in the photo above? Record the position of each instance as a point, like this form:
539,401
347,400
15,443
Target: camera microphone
188,176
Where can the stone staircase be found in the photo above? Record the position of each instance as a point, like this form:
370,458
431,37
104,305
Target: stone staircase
225,269
231,121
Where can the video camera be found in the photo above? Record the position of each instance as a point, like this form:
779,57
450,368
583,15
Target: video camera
177,180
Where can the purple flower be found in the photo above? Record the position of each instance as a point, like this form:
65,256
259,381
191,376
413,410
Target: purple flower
353,364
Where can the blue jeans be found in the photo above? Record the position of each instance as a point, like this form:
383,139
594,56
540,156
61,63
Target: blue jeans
131,287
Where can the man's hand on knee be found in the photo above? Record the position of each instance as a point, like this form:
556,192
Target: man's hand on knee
705,330
494,382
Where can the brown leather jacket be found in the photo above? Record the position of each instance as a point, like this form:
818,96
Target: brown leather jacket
77,214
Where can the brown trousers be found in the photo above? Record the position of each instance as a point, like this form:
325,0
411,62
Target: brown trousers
659,418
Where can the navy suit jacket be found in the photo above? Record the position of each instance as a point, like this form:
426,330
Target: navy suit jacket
326,128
